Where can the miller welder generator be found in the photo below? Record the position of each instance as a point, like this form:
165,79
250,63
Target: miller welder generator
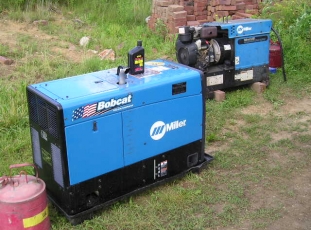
103,136
230,54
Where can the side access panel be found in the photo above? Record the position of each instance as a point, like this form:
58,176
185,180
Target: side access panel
251,51
154,129
94,148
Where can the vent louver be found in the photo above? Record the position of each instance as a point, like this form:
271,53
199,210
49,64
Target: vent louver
43,114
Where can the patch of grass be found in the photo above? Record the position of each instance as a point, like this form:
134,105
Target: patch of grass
266,213
4,50
29,16
15,113
263,217
211,137
303,138
238,99
14,127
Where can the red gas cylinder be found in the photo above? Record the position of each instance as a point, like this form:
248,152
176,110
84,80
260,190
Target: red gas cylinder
23,202
275,55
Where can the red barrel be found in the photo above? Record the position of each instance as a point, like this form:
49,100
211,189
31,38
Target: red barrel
23,202
275,55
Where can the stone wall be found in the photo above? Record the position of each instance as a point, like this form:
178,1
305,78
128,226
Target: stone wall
176,13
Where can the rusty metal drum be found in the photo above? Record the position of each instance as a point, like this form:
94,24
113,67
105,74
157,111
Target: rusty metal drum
23,201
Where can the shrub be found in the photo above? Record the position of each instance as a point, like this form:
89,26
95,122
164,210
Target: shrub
292,19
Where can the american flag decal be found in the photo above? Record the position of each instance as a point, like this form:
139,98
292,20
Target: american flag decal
101,107
87,111
84,111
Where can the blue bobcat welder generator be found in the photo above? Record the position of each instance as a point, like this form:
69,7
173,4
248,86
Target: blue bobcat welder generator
100,137
231,53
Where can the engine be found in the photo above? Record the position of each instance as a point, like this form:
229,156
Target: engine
200,47
229,53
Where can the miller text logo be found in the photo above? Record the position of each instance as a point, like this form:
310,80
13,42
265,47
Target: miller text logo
159,128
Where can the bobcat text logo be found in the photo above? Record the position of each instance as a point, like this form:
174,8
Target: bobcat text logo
159,128
114,102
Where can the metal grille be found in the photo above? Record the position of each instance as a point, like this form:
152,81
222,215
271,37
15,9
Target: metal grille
33,113
36,147
57,165
43,114
52,121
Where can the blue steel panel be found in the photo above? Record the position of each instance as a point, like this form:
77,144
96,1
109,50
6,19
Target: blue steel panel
153,129
93,153
84,92
251,54
244,27
79,86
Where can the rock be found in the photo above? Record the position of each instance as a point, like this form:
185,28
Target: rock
121,45
219,95
84,41
6,61
258,87
107,54
77,20
54,9
72,48
93,51
147,19
40,22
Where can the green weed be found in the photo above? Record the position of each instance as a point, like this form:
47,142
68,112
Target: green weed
293,16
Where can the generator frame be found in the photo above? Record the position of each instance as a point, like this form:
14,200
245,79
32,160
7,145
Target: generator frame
97,140
231,53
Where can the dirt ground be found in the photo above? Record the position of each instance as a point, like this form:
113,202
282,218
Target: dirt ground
296,202
11,33
297,208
